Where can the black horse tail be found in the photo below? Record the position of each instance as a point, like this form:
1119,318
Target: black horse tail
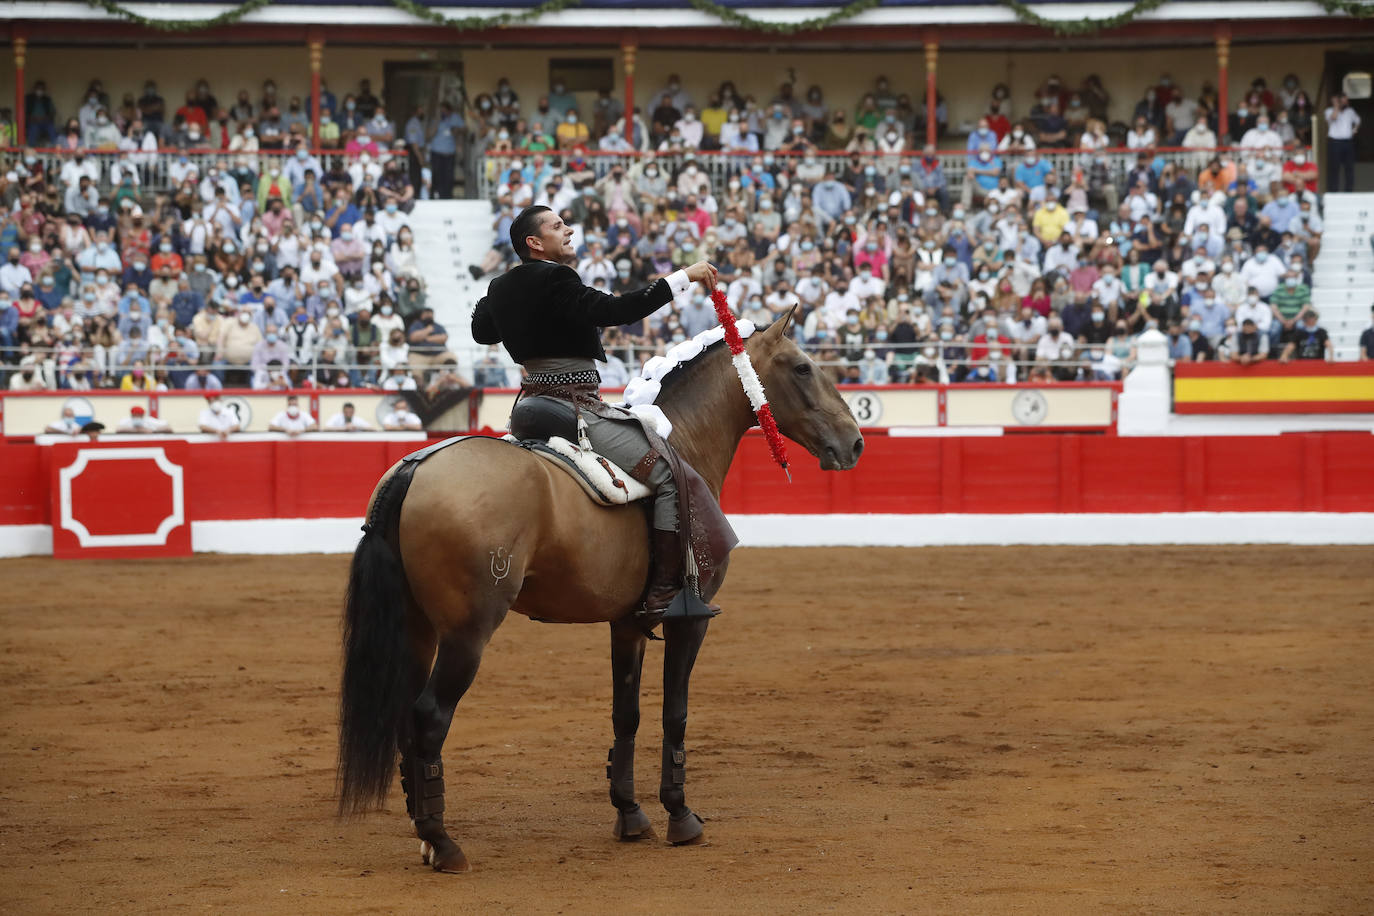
378,662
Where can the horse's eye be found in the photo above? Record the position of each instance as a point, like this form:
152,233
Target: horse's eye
802,369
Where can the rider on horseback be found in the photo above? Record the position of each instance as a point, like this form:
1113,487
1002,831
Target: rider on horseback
550,323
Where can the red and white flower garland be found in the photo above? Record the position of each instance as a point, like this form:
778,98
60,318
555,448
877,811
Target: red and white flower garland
753,387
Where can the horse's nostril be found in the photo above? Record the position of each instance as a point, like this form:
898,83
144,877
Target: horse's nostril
858,447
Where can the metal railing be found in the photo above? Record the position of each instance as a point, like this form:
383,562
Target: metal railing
719,167
164,170
943,361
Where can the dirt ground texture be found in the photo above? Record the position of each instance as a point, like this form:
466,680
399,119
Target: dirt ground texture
961,730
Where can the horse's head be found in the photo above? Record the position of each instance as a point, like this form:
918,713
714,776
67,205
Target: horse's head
805,403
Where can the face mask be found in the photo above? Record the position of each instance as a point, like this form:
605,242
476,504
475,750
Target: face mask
1261,256
1290,282
1253,300
346,236
271,338
244,318
946,335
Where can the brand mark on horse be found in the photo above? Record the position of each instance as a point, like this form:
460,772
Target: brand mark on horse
500,564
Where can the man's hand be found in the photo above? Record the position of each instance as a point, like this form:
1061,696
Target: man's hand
702,272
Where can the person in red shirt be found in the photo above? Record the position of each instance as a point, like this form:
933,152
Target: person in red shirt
192,113
1300,173
166,257
697,215
997,121
1039,297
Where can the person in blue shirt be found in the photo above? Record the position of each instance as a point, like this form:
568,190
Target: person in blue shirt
983,172
983,136
1030,172
1282,211
341,214
137,273
49,293
186,303
443,150
1180,347
560,100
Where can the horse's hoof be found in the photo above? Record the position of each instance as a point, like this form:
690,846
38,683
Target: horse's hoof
687,830
452,862
633,825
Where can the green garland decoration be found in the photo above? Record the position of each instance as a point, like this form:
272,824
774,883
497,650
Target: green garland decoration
228,17
734,17
1360,9
474,23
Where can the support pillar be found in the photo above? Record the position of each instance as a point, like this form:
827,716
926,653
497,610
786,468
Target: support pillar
932,55
1223,70
316,58
21,48
629,52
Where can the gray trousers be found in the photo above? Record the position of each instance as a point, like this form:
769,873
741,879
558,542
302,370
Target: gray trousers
624,442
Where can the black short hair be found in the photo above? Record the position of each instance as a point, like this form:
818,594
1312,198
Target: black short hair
525,225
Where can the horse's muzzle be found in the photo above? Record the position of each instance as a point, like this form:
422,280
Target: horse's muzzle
835,457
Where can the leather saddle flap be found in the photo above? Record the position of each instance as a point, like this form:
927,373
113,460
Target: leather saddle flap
599,477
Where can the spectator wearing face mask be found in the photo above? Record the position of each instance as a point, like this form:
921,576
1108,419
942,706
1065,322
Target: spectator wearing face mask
1262,272
1200,348
217,419
139,423
28,378
237,343
1289,303
1248,344
292,420
271,349
572,131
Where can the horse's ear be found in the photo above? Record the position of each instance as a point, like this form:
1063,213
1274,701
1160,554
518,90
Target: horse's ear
779,327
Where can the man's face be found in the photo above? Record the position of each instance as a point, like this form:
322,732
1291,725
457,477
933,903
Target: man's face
553,239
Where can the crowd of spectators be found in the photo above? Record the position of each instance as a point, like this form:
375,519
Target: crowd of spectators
1031,269
269,269
276,268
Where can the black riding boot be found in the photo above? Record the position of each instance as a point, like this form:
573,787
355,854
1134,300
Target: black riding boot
665,576
665,584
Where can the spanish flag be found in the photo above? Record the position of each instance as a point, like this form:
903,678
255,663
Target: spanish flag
1301,386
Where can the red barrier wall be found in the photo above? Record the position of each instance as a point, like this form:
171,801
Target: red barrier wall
1323,472
1316,472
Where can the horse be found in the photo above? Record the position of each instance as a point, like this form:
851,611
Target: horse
482,527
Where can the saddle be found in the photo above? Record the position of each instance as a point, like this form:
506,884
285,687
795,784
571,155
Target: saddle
550,428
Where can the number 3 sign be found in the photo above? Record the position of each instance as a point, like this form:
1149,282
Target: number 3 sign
866,407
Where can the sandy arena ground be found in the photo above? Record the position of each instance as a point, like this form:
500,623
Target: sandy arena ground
872,731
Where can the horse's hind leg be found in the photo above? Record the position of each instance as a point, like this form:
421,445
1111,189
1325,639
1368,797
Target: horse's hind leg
627,664
682,638
422,767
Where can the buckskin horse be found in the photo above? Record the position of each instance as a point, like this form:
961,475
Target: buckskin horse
482,527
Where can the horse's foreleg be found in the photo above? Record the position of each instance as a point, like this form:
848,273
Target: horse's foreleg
422,767
682,636
627,664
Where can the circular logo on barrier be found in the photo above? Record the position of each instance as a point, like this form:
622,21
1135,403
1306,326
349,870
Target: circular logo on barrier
1029,407
240,408
866,407
83,411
